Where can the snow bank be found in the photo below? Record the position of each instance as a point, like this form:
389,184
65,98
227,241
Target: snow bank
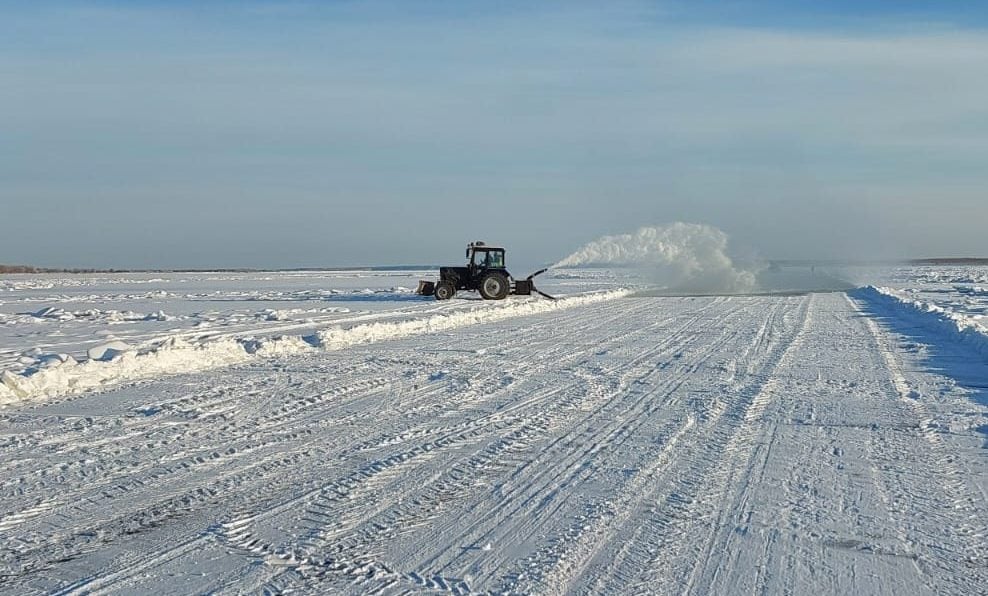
338,338
121,363
317,294
969,330
171,356
679,255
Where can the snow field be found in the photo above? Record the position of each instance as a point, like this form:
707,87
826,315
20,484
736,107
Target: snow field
825,443
62,374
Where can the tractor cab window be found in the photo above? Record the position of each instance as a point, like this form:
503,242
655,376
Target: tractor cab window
489,259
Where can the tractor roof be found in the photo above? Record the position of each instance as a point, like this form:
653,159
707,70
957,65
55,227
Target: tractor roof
482,246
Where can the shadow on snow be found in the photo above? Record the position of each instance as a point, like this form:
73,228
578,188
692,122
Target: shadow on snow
943,354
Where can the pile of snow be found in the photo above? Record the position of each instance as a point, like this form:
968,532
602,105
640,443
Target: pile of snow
302,295
52,312
94,314
948,275
336,338
102,297
108,351
971,290
13,319
682,256
291,314
24,283
117,362
967,329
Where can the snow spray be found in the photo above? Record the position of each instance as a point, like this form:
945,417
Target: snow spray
678,256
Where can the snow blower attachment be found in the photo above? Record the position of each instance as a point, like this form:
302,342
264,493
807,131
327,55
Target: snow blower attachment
485,273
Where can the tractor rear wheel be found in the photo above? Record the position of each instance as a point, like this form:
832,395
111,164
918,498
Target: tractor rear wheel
445,290
494,286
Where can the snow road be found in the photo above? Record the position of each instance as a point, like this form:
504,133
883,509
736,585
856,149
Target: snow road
676,445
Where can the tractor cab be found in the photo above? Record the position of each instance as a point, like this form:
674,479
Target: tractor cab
481,256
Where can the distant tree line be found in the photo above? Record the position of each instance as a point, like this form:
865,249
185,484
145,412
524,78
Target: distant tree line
951,261
30,269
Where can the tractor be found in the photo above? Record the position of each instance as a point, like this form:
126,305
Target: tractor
485,273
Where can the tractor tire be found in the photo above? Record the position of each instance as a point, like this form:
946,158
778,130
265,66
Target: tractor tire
445,290
494,286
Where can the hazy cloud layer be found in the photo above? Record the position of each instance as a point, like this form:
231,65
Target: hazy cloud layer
282,135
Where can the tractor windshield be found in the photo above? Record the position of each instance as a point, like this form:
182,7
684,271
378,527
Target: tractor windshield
490,259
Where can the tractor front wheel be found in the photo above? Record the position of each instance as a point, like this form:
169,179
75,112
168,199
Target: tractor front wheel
445,290
494,286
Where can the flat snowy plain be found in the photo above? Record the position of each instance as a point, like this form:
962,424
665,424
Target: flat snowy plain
330,432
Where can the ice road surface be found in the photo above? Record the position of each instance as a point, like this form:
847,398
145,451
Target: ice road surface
825,443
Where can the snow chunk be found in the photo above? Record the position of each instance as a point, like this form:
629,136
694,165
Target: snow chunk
108,351
55,360
52,312
158,316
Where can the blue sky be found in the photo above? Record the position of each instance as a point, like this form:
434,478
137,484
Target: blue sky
280,134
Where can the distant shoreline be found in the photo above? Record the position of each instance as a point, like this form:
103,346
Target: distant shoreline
961,261
925,261
21,269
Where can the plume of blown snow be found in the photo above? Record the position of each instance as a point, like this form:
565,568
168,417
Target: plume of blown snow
678,256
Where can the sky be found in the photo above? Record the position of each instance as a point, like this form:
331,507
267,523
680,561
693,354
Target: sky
157,134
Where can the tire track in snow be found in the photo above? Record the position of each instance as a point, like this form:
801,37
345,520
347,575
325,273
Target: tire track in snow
946,498
241,478
647,398
440,485
449,436
680,513
521,426
605,527
153,477
161,469
580,488
732,480
483,464
154,482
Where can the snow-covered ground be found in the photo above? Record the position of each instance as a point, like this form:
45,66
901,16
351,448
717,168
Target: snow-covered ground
954,299
331,432
67,334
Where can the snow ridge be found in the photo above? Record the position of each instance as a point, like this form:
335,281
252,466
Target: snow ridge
60,374
965,329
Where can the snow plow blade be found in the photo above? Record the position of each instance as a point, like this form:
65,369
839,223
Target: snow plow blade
426,288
